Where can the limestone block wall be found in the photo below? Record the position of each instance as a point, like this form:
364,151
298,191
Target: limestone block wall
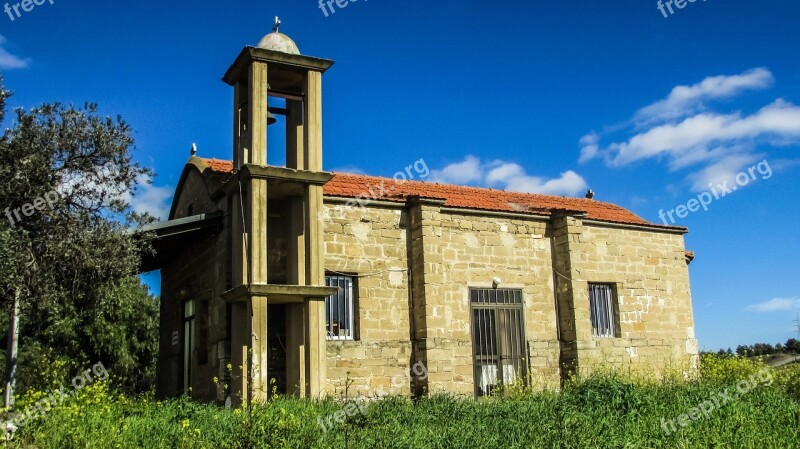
371,243
475,249
651,278
417,262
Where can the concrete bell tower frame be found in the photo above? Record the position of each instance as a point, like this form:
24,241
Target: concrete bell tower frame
256,75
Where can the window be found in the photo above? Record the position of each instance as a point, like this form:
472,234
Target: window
188,344
603,310
340,308
498,338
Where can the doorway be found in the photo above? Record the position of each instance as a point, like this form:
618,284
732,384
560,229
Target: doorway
498,339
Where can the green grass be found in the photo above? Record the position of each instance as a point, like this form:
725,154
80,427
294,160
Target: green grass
602,411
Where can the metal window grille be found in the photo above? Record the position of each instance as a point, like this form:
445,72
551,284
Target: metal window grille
602,310
498,335
340,309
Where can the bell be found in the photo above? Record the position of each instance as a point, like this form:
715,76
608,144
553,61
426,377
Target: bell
271,120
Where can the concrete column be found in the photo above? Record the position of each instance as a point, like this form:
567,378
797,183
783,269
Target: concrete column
313,122
260,351
296,257
240,347
296,347
257,229
257,144
315,243
240,101
257,206
316,347
239,240
295,135
316,339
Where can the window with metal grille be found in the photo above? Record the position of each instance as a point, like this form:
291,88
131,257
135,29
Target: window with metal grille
602,307
498,339
340,308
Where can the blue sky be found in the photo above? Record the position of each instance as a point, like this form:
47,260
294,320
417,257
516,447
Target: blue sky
545,96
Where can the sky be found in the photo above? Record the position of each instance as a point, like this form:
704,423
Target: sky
686,116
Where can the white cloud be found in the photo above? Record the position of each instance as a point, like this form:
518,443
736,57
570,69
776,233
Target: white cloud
589,147
9,61
722,170
151,199
507,176
145,198
776,305
684,133
467,171
350,168
780,119
683,100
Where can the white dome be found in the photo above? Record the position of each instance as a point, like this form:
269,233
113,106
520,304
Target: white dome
279,42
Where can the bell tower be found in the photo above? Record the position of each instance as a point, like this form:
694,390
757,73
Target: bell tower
276,258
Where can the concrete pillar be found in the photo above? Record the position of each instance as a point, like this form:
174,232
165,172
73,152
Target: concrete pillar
295,313
240,127
250,117
316,338
249,229
260,351
257,229
258,113
239,241
313,122
296,247
257,205
295,135
240,347
316,348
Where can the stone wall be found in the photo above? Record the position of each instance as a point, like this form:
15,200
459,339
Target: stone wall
651,278
475,249
201,273
371,243
416,263
551,260
187,277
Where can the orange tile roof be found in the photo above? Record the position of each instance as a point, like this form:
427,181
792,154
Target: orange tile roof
387,189
219,165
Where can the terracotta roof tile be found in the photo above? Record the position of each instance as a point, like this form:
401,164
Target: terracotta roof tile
219,165
387,189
